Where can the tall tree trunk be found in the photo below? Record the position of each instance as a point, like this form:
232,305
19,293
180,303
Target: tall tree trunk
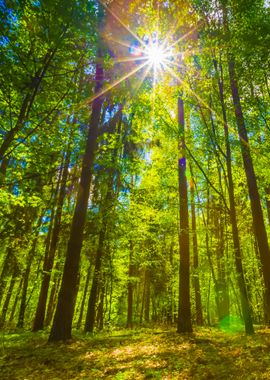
267,194
49,258
62,324
26,275
91,309
100,311
105,214
130,288
6,270
15,303
8,296
221,279
196,280
257,214
245,305
86,285
52,298
142,301
184,309
147,296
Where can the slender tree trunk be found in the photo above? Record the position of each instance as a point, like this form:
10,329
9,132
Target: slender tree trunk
8,263
147,296
170,310
208,245
91,309
245,305
86,285
111,290
143,301
196,280
208,302
62,324
48,240
184,308
105,207
8,297
221,279
52,298
26,275
100,312
15,303
257,214
130,288
267,193
49,259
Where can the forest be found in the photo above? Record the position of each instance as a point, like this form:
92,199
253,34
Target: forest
134,189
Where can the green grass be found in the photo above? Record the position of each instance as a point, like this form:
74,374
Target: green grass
141,354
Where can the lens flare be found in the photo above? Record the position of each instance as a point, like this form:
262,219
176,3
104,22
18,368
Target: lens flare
155,55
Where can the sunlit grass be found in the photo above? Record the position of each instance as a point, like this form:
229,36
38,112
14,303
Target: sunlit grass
138,354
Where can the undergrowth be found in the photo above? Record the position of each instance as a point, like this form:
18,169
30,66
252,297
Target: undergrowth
137,354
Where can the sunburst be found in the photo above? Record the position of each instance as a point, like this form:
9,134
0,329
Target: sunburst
148,54
160,57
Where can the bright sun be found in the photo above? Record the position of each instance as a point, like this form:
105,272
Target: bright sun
155,55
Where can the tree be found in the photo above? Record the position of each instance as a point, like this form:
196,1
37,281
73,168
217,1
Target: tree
184,311
62,324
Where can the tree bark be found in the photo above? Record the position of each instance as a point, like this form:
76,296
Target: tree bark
184,309
15,303
6,270
255,202
130,288
106,205
91,309
267,193
52,298
221,278
147,296
62,324
26,275
8,297
100,311
86,285
49,258
196,280
245,304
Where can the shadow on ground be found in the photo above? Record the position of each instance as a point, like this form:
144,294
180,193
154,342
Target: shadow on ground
205,354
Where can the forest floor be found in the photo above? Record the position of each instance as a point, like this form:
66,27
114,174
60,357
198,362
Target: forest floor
137,354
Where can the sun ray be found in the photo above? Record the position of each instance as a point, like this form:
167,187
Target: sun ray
119,42
181,38
166,50
128,59
122,43
205,104
187,87
141,80
123,24
115,83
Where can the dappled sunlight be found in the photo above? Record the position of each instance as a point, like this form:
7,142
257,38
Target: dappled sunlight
135,194
207,353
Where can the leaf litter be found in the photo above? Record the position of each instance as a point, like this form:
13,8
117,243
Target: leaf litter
138,354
